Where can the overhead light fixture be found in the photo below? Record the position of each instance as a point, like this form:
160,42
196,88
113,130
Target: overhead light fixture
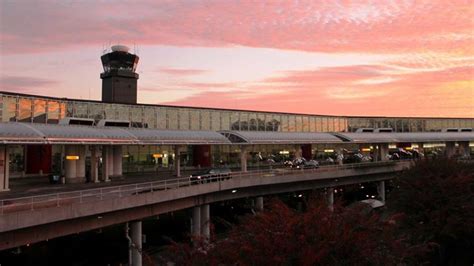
72,157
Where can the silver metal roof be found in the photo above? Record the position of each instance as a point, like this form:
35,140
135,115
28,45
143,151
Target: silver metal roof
156,136
397,137
259,137
24,133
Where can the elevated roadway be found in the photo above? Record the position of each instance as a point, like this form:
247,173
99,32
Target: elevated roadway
37,218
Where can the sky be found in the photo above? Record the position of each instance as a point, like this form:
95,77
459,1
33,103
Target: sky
370,58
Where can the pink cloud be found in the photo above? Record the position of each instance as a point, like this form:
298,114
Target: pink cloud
337,90
182,72
431,41
363,26
25,84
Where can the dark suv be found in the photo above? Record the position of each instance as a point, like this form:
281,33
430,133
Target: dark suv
212,174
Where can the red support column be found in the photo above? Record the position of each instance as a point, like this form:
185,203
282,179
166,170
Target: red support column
38,159
306,151
202,155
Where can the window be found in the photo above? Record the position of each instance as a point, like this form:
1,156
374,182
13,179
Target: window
285,125
183,119
216,120
244,123
161,118
291,123
53,112
24,110
39,111
9,109
172,118
96,111
149,117
195,119
225,120
205,120
253,122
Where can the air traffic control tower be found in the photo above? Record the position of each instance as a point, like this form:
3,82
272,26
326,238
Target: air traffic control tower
119,80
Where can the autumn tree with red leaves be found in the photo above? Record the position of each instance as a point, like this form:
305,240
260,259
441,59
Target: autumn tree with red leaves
437,198
283,236
432,222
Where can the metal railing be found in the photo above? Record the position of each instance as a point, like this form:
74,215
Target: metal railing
36,202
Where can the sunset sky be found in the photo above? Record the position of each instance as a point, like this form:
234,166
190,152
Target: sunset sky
382,58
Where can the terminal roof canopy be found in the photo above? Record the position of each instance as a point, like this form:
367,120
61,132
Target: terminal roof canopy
415,137
259,137
24,133
155,136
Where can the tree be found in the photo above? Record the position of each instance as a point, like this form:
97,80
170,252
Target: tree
282,236
437,199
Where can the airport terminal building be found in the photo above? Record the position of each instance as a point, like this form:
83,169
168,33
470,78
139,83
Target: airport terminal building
119,108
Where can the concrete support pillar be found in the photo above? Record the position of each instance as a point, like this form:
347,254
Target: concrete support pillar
94,164
450,150
330,198
243,158
136,230
81,163
105,164
259,204
420,149
117,158
340,156
177,160
205,222
464,149
110,160
298,152
75,163
196,222
383,152
4,168
63,158
70,171
381,190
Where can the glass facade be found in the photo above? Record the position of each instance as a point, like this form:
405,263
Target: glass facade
51,110
39,111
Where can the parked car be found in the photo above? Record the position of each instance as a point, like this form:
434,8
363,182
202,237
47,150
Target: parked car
311,164
211,174
356,158
302,163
